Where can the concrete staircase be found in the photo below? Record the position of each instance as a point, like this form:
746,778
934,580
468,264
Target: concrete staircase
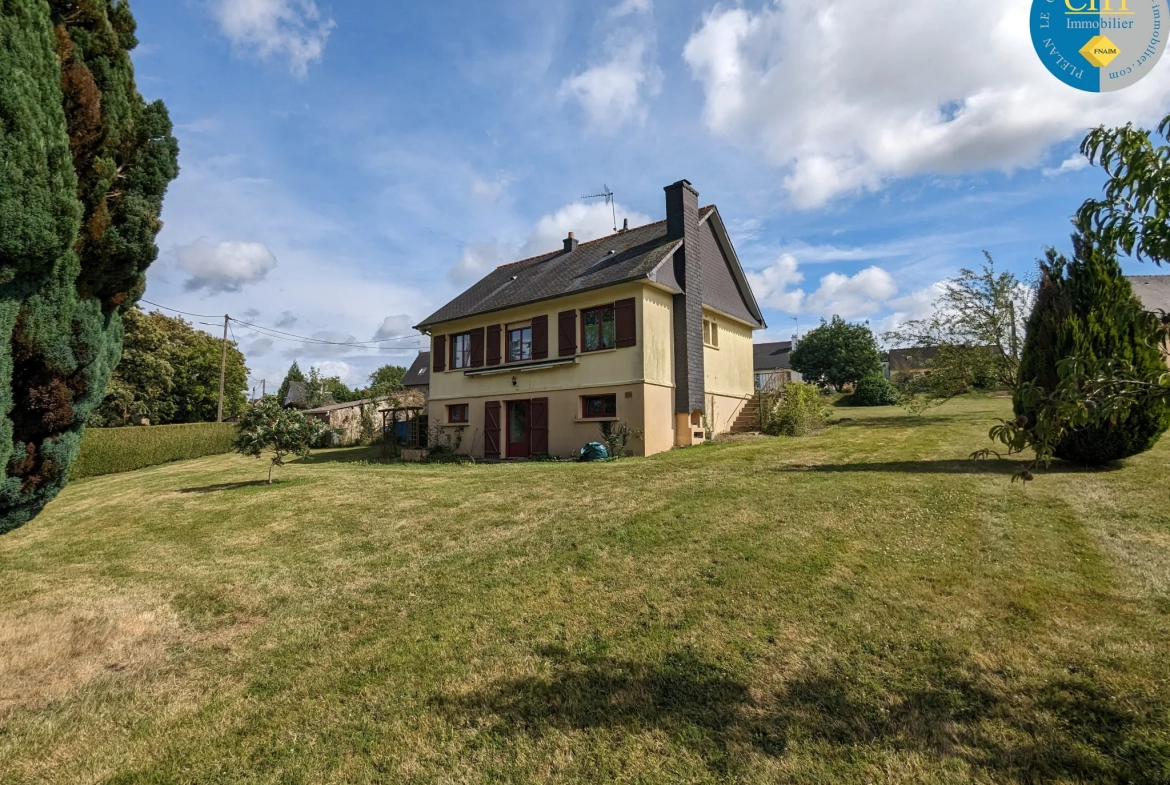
749,417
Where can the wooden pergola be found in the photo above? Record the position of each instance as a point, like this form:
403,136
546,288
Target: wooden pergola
416,435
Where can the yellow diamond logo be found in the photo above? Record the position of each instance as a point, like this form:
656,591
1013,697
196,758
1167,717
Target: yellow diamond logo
1100,51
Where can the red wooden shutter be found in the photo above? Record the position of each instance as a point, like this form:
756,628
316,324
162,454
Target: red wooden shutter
538,426
567,333
493,344
477,348
625,322
439,352
491,429
540,337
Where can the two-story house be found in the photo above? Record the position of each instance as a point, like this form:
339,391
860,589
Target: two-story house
650,326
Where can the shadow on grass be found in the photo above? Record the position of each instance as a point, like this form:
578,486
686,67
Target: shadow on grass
942,466
854,417
235,486
921,699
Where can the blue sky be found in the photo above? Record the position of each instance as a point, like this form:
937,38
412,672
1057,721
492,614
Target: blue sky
348,167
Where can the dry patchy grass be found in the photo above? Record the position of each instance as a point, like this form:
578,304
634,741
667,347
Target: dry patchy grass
862,605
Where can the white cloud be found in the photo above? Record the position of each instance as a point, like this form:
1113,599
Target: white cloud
616,91
334,346
489,191
394,327
259,348
846,296
587,221
342,370
1073,164
477,261
771,285
852,296
224,267
291,29
846,94
916,305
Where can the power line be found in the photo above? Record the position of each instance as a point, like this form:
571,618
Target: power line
272,332
185,313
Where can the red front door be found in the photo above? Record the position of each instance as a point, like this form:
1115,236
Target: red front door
519,428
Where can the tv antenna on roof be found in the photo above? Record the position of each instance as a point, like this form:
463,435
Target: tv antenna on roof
607,195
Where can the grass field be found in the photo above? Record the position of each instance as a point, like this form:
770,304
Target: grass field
864,605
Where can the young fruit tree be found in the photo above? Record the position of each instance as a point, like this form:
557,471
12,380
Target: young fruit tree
977,330
837,354
86,162
266,427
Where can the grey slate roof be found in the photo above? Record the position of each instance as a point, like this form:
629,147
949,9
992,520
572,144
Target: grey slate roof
772,356
419,374
913,358
1152,290
297,395
618,258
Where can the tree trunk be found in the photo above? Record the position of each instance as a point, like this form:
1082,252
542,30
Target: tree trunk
271,466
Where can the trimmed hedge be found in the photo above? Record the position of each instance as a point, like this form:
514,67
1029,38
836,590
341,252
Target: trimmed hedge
114,450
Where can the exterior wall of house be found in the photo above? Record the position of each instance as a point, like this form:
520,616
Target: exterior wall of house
592,369
642,376
729,374
567,430
622,372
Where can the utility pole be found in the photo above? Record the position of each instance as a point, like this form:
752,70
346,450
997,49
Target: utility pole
263,388
222,368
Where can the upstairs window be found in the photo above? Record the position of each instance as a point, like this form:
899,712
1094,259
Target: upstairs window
711,333
461,351
598,329
519,344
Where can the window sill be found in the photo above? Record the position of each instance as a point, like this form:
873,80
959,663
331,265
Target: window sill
710,346
584,353
596,419
454,424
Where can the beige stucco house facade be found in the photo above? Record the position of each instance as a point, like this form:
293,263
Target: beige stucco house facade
651,327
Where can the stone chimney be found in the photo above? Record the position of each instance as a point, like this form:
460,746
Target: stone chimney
570,243
682,223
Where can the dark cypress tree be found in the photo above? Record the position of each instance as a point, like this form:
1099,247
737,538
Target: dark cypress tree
1087,309
78,145
294,375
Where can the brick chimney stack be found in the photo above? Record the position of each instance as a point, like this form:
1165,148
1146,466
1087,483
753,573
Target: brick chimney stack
570,243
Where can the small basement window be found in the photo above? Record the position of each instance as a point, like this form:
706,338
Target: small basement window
458,413
711,333
598,406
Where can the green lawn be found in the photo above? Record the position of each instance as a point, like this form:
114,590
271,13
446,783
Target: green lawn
864,605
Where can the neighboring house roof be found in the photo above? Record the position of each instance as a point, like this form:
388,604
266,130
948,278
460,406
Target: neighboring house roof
772,356
419,374
1153,291
911,359
642,253
297,395
333,407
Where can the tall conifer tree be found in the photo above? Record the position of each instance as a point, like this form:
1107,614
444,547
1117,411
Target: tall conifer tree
79,149
1087,309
